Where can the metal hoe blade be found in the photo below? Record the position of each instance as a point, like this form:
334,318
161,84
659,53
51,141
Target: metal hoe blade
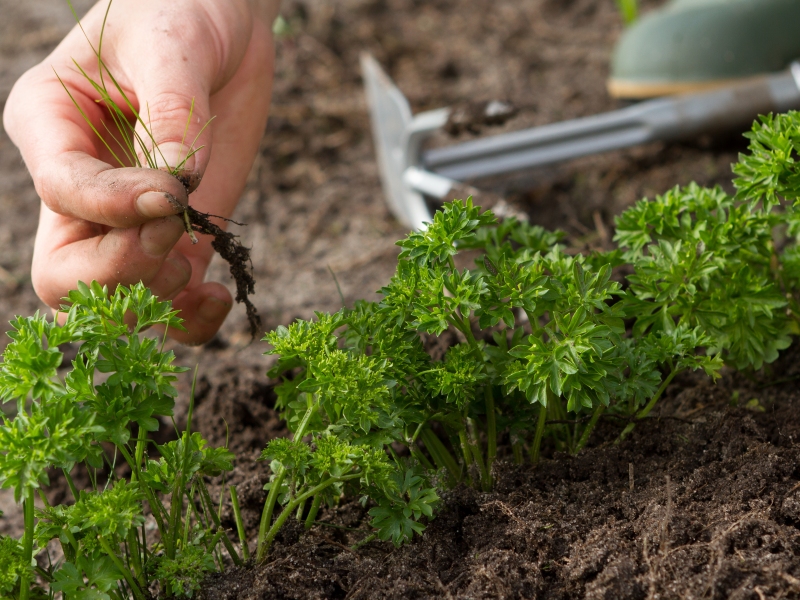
395,132
408,174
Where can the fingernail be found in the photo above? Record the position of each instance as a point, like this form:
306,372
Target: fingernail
157,204
159,236
174,156
212,309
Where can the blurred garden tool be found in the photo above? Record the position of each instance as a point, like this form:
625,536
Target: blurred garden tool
409,173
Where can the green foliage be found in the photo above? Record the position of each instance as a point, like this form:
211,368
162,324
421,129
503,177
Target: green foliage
629,9
14,565
114,511
184,573
99,413
397,515
31,444
91,579
770,171
534,332
452,226
457,377
704,259
189,457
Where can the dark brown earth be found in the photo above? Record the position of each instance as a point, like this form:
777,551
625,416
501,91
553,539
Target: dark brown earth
712,511
725,524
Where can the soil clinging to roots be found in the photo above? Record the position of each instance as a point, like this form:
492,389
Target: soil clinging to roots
228,246
236,255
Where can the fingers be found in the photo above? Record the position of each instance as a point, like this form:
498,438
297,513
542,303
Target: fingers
77,185
241,109
173,70
168,59
68,251
203,309
60,151
177,66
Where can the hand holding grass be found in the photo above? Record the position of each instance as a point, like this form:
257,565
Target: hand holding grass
207,58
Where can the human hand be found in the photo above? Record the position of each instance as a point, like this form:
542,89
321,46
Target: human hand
118,225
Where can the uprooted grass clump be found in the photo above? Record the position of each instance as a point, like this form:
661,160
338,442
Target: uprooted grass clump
142,150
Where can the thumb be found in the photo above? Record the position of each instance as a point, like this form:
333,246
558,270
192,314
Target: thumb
175,130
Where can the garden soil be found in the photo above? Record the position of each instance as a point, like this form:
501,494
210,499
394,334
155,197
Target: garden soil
701,502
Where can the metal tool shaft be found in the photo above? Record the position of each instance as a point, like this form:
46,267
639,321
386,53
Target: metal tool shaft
665,119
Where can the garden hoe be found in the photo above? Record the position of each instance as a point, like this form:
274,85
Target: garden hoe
409,173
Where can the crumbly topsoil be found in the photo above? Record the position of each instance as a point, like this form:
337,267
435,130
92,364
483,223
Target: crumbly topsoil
714,510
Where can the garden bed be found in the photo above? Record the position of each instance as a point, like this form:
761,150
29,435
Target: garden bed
701,502
723,525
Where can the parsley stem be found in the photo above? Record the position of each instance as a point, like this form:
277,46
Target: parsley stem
187,521
587,432
73,543
650,405
264,528
472,438
467,453
179,487
133,550
71,484
557,409
156,507
289,508
237,516
534,322
218,524
126,572
417,432
466,328
364,542
141,441
423,460
266,516
516,448
437,457
27,542
312,514
215,542
491,430
300,509
440,454
537,438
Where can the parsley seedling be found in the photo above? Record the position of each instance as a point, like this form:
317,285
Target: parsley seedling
99,414
549,341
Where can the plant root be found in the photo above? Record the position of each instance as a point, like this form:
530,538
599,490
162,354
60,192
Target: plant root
228,246
237,256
